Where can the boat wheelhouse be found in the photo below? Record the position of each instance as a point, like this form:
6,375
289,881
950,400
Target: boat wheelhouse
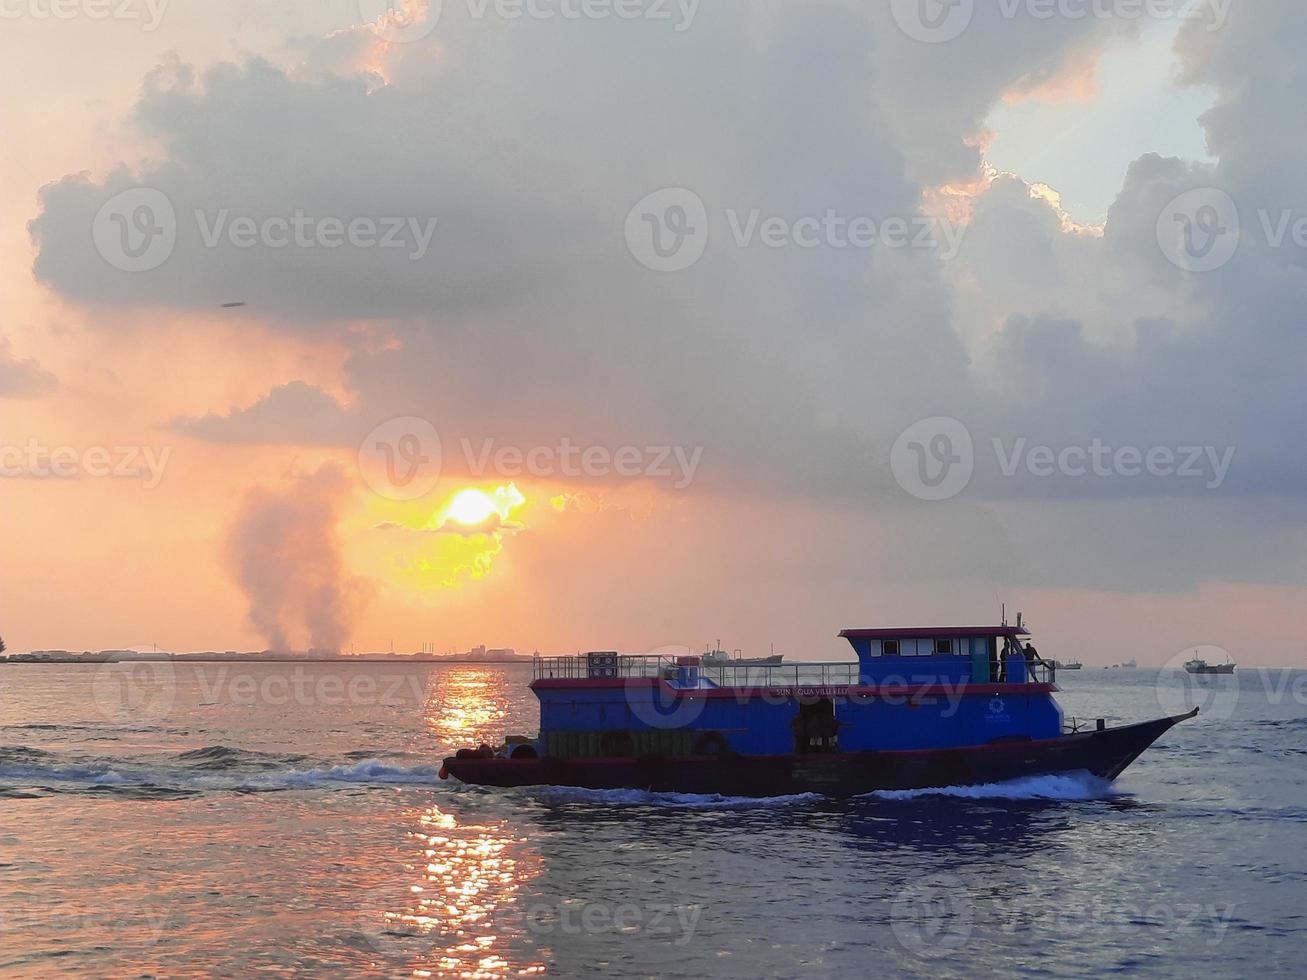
921,706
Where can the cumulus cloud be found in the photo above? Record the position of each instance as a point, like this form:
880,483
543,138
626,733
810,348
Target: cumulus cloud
527,318
293,414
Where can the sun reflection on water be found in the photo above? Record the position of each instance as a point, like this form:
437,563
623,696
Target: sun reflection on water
468,706
461,916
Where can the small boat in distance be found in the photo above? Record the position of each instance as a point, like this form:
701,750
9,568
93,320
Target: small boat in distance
921,707
1199,666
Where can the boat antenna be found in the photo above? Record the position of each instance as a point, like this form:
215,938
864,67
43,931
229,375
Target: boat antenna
1003,607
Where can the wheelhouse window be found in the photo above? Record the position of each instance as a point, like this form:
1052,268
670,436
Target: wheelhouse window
890,648
943,646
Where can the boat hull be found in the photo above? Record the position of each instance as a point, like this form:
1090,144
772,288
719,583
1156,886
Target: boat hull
1104,753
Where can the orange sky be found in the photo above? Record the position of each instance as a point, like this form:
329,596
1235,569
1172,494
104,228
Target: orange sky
572,562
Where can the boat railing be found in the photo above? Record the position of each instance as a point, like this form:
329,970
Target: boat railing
797,674
805,674
1041,672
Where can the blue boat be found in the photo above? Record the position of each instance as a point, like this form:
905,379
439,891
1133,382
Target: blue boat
921,707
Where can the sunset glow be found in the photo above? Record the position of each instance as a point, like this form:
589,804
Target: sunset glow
471,506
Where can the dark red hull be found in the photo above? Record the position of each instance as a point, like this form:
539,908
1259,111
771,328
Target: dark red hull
1104,753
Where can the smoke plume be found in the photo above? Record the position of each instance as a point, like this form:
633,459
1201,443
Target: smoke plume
284,551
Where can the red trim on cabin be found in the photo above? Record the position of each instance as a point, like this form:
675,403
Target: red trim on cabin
929,633
965,688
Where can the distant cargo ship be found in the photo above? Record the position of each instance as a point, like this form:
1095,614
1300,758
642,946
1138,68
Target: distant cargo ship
1068,665
720,658
1199,666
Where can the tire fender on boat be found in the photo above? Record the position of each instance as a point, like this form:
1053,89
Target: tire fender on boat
711,743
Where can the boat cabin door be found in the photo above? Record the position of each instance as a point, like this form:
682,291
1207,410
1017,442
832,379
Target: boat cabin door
815,727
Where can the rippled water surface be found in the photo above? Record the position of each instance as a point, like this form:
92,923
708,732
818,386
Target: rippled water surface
233,819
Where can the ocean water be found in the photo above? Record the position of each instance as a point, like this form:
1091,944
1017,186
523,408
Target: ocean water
194,820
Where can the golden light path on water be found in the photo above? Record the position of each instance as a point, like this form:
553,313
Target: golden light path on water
468,706
463,910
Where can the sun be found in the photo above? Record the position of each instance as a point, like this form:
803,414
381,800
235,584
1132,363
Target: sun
471,507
